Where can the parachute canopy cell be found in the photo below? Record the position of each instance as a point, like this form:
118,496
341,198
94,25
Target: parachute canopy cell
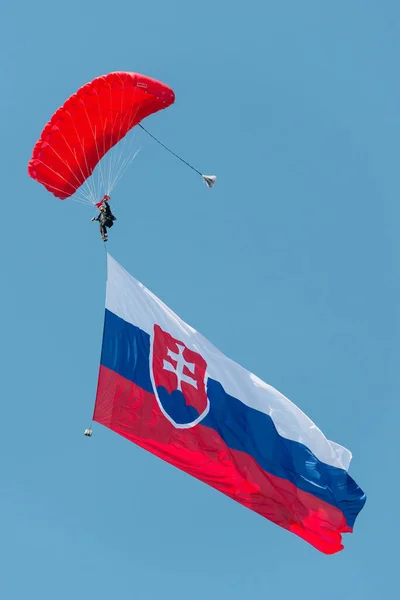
89,124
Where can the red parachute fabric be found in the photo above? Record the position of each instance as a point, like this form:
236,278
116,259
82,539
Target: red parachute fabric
89,124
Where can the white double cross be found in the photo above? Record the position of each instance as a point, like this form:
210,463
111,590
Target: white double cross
180,365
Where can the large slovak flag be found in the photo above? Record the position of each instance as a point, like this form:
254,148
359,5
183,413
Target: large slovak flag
166,388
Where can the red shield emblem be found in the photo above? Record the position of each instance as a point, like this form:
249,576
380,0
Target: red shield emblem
179,380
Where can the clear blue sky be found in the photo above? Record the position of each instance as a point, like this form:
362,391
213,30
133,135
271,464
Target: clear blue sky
290,266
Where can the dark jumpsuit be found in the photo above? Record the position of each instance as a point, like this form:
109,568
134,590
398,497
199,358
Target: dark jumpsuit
105,219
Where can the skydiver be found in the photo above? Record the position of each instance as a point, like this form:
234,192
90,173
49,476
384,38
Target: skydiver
105,217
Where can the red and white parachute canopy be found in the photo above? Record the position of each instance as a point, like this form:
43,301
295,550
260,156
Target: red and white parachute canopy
90,124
